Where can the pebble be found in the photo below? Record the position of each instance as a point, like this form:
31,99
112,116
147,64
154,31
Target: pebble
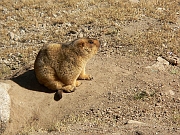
80,35
6,62
171,92
135,122
11,35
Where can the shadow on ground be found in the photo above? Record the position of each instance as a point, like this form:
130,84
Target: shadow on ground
29,81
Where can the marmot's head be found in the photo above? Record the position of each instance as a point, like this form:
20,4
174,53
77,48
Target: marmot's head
87,46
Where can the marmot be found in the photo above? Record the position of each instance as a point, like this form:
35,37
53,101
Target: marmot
58,66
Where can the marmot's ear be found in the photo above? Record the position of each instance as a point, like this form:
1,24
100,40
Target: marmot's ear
81,44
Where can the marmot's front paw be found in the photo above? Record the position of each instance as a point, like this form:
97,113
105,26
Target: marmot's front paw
89,77
85,77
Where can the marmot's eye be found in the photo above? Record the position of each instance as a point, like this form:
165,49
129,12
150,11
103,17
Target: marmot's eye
90,41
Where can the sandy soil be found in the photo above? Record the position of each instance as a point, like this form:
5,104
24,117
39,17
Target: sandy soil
125,97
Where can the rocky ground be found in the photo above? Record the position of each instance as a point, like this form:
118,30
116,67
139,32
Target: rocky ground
134,91
127,96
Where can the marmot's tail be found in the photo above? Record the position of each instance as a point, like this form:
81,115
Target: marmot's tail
58,95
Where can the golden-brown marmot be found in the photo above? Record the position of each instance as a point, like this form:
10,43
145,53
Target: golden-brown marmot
58,66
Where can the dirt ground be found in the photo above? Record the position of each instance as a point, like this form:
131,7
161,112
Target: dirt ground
125,97
131,93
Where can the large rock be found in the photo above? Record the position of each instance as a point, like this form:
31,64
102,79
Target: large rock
160,65
4,106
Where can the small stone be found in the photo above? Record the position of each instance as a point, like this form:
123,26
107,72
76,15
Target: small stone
162,61
160,64
11,35
171,92
68,24
43,41
6,62
80,35
22,32
16,38
160,9
135,122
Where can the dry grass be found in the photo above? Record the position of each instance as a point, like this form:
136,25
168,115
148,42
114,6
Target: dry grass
27,24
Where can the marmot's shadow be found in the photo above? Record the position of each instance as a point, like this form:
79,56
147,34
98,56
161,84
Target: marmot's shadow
29,81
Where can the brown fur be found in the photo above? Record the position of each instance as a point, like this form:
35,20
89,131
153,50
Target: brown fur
58,66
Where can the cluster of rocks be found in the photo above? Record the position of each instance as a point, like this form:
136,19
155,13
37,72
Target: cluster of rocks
13,61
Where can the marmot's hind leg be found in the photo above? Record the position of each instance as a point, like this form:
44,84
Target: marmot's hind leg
72,87
57,85
68,88
54,84
50,80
